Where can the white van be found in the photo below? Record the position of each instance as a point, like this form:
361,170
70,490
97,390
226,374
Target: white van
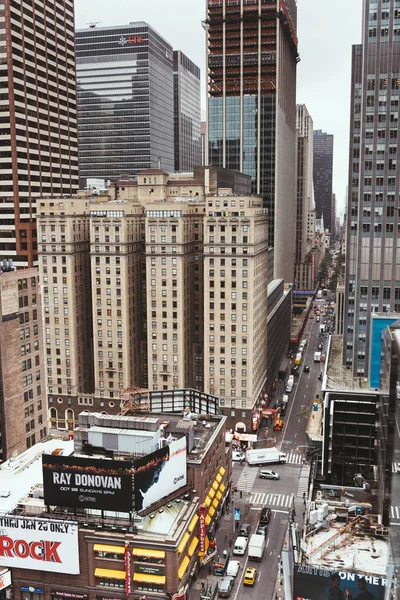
285,399
240,546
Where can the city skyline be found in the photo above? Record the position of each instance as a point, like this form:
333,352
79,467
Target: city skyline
323,79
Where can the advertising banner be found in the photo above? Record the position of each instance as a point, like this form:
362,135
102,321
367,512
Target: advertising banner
39,544
202,521
314,583
160,473
87,482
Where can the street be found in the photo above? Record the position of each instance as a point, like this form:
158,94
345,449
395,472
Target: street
280,495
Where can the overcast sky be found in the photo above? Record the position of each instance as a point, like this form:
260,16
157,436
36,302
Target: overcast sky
326,32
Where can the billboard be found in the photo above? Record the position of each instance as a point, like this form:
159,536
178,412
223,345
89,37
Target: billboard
160,473
39,544
87,482
314,583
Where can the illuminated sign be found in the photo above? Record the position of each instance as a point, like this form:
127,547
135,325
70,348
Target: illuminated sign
131,40
128,586
202,514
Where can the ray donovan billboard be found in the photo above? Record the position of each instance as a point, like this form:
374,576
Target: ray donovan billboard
317,583
79,482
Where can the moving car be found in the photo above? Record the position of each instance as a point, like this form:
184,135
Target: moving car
306,369
225,587
233,568
268,474
262,530
265,516
250,576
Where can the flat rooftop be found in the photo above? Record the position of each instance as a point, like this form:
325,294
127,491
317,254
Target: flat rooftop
314,424
337,377
361,553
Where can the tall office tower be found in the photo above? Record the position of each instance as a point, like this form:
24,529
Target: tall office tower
323,168
64,267
373,229
333,218
305,263
187,113
23,404
203,142
125,101
38,123
252,55
235,301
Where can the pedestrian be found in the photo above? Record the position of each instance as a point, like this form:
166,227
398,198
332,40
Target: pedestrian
210,590
203,589
209,569
304,495
230,542
226,537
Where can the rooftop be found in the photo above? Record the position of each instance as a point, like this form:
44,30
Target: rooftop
337,377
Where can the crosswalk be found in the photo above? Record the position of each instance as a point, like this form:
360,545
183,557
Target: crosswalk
395,513
272,500
294,458
246,479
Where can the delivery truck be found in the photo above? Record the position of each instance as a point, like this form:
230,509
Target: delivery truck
265,456
317,356
256,547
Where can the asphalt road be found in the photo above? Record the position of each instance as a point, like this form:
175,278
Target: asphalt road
281,495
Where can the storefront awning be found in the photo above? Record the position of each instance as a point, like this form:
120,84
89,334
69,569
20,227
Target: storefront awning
183,567
160,579
110,573
208,520
211,511
192,523
218,495
211,494
207,501
183,543
221,471
222,487
193,545
218,478
215,485
111,549
148,552
215,502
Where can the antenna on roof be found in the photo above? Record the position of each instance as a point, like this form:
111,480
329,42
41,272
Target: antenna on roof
92,24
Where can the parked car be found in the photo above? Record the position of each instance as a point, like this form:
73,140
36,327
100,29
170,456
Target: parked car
262,530
265,516
245,529
233,568
225,587
295,370
250,576
268,474
320,346
306,369
238,456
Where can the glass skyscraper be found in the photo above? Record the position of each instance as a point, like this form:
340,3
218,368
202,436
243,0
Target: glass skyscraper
187,113
323,173
373,230
125,101
252,59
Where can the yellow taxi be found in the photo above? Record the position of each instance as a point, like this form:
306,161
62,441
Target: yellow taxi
250,576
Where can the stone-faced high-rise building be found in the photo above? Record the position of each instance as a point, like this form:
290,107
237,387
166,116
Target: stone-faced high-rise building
373,227
323,169
38,121
252,56
125,101
187,113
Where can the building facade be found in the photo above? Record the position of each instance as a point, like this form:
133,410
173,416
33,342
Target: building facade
23,403
307,254
323,168
187,113
373,227
252,58
125,101
38,118
127,290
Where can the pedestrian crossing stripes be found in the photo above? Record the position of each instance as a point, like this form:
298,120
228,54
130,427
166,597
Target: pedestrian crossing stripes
395,513
395,467
271,500
246,479
294,458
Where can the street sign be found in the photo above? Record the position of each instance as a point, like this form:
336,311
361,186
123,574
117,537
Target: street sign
237,514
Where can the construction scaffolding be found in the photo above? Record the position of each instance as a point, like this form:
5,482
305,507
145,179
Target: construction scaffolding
135,400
